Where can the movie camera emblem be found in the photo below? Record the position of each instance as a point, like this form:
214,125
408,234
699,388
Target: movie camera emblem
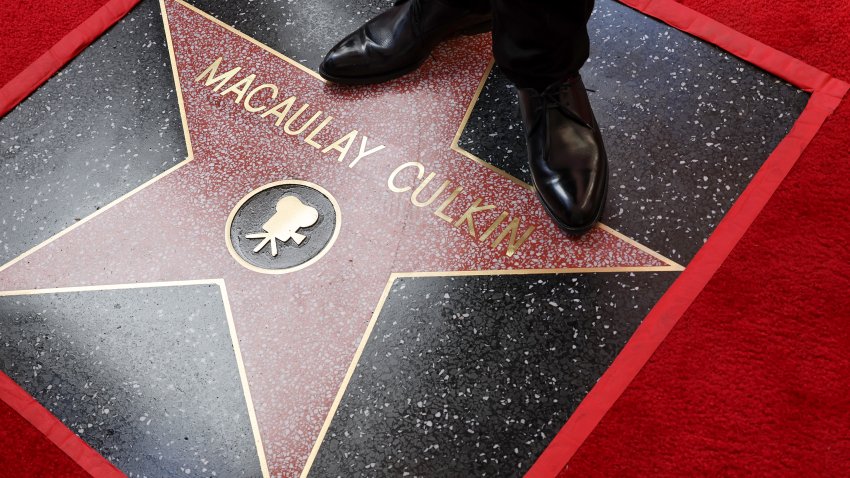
283,226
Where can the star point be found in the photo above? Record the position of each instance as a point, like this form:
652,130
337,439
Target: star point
411,202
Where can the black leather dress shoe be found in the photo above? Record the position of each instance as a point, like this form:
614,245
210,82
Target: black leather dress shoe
398,40
568,164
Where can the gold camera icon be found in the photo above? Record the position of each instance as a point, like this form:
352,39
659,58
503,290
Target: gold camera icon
290,215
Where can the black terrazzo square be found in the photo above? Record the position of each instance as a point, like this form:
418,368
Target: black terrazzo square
474,376
148,377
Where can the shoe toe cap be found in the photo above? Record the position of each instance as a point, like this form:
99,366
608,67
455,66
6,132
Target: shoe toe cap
343,60
572,212
353,57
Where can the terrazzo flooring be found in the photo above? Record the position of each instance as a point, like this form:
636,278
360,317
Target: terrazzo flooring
456,368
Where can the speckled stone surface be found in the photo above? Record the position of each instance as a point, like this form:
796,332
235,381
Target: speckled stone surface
685,124
669,189
299,330
473,377
106,123
304,30
147,377
678,160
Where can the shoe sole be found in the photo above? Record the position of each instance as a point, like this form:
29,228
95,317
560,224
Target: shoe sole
482,27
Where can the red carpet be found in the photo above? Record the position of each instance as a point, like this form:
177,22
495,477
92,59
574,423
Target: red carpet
26,452
27,32
38,38
754,377
34,443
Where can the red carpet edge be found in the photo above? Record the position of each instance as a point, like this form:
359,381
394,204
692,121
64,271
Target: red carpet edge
827,93
25,82
52,428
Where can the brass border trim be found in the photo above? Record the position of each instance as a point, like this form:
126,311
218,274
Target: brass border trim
88,218
243,374
179,89
529,272
253,193
455,146
187,138
671,266
314,452
246,37
231,325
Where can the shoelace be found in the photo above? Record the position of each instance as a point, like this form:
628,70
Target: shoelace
552,98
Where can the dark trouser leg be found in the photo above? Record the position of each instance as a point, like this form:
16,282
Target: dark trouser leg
539,42
477,6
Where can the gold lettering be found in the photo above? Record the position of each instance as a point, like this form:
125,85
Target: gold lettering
337,145
281,115
222,78
309,138
422,186
513,243
256,109
391,180
467,216
241,87
364,153
446,203
493,226
286,126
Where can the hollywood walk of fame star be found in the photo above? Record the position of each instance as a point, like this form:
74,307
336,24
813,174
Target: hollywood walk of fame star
300,330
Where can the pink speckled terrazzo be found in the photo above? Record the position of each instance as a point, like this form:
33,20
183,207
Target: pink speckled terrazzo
299,331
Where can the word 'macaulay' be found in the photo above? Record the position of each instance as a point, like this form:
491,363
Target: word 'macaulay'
281,112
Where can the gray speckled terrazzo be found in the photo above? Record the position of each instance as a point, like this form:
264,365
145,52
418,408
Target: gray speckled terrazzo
686,126
474,376
147,377
106,123
304,30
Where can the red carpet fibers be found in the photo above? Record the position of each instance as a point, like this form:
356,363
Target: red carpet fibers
26,453
29,28
37,38
754,378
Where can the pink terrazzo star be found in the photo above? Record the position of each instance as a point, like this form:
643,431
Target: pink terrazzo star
299,330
